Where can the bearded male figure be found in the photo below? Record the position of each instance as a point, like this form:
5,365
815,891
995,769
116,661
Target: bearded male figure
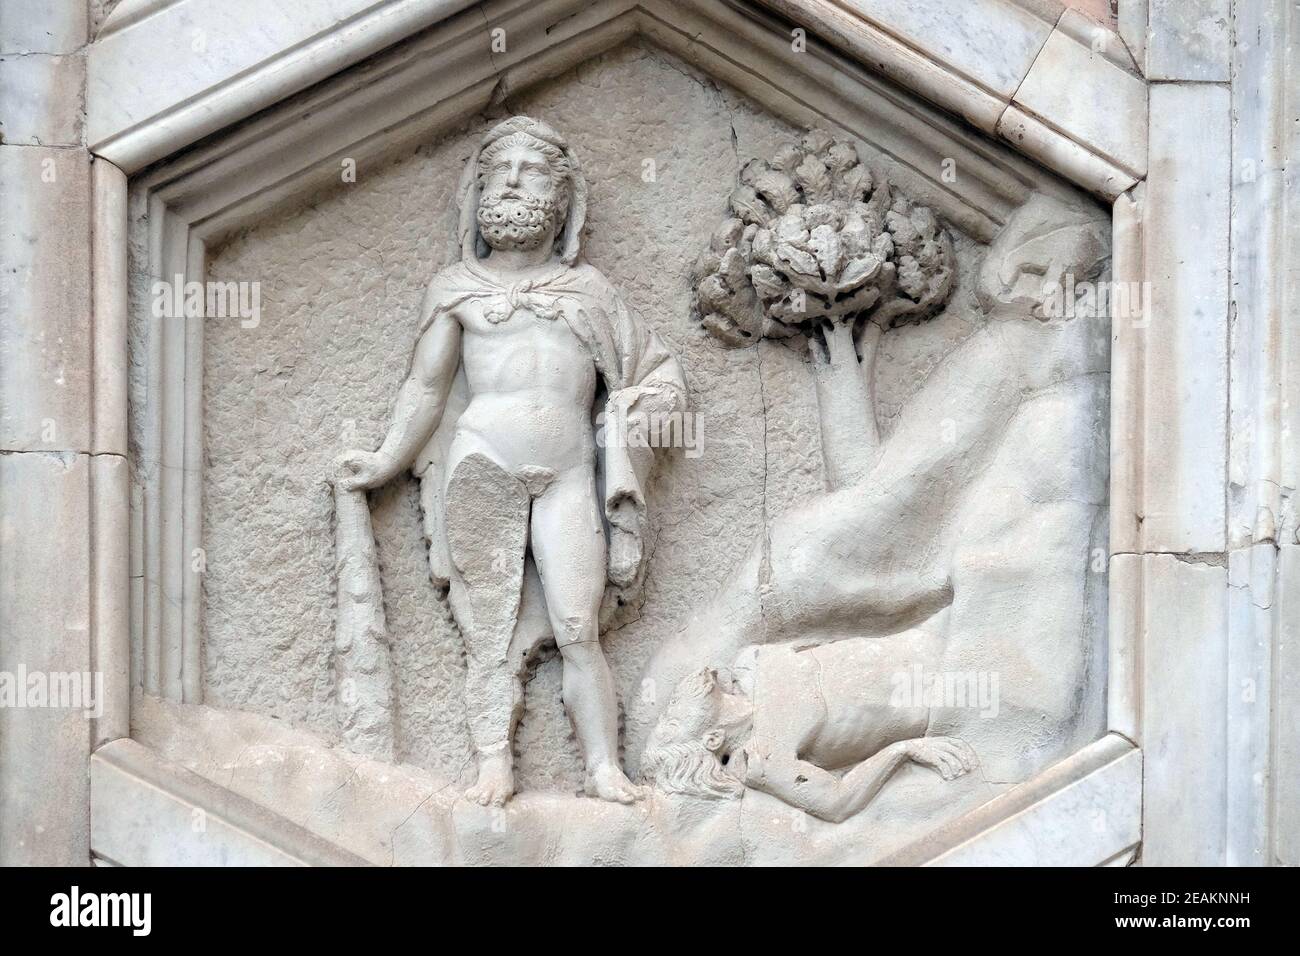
527,526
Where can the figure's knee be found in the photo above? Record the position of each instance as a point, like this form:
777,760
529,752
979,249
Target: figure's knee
585,670
584,661
573,584
576,635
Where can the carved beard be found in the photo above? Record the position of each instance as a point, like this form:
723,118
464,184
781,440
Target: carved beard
514,219
689,767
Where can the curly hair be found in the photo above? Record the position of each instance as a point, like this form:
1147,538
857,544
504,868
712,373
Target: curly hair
690,768
676,759
566,175
555,156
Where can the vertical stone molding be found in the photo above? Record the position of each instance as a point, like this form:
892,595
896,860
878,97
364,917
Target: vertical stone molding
386,616
1264,813
1185,254
60,503
1184,707
45,620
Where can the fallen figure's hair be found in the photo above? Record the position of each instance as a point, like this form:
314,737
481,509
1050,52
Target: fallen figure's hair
714,741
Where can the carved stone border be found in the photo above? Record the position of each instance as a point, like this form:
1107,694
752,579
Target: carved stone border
426,84
142,813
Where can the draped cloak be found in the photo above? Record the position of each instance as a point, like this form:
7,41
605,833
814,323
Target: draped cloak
641,381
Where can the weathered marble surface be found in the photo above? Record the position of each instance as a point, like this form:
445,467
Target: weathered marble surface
341,286
1231,587
404,815
56,501
982,516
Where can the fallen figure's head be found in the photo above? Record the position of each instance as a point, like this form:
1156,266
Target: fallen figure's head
824,708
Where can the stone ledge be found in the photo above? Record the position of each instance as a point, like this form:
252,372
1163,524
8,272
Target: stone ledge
402,815
146,811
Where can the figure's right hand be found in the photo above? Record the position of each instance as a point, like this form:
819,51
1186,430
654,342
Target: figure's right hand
361,470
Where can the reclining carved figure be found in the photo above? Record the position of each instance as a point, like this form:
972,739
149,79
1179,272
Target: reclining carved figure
792,715
986,503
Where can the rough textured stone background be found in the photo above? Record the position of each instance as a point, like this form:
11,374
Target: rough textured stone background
341,280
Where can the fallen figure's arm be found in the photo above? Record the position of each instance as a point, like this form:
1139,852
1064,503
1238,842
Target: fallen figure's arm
791,715
828,797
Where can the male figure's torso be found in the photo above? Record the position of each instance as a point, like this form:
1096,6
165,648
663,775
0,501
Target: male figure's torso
531,384
847,708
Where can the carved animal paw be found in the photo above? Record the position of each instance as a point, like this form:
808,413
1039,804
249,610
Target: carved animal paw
949,756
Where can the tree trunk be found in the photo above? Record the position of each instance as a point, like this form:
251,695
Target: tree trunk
846,402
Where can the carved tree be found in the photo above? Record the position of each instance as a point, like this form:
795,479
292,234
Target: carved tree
817,246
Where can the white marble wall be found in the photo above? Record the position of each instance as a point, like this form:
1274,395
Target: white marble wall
52,466
1204,548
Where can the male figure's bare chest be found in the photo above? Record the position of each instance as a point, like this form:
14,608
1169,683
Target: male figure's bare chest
523,350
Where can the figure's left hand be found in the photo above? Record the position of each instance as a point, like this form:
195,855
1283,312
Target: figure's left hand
948,755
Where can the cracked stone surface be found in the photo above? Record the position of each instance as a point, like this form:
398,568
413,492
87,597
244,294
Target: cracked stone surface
341,280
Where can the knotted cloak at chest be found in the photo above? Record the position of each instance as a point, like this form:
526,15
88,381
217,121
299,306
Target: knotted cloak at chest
642,381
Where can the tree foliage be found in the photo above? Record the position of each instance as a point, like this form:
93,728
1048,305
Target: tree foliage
812,236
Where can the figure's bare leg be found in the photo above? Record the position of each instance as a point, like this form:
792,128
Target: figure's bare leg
487,534
568,542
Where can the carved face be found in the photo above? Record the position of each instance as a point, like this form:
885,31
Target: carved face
523,197
700,723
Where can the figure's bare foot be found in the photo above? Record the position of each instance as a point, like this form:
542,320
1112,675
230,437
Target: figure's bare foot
608,782
496,780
